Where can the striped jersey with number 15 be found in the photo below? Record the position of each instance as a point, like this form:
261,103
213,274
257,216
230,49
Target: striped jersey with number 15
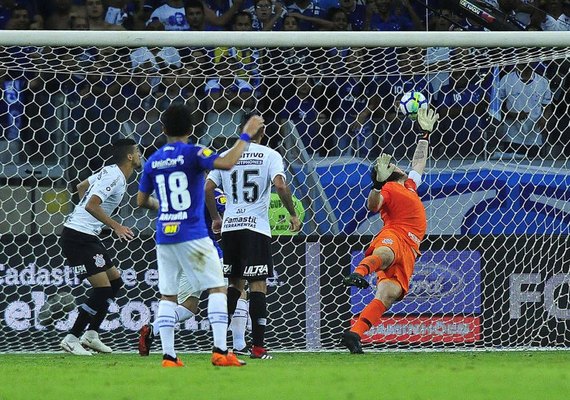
248,189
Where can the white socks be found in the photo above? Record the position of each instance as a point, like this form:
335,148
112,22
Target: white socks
238,324
165,320
218,316
182,314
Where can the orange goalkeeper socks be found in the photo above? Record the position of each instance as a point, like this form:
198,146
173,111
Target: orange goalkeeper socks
368,265
369,317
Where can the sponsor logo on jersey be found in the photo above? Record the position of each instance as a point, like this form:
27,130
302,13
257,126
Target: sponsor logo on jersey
227,268
250,162
237,222
79,269
99,260
414,238
205,152
168,162
387,241
180,215
171,228
255,270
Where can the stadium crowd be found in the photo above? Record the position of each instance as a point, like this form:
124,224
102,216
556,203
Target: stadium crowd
339,101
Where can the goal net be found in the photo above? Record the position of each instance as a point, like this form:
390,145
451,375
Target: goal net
494,270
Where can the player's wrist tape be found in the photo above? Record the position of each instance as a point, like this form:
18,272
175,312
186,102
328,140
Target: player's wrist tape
423,135
245,137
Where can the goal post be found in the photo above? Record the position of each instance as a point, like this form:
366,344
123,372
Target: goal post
494,266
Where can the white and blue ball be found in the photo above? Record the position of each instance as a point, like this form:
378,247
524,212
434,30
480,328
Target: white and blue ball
411,102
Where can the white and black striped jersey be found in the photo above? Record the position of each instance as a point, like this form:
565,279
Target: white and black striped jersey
109,185
248,189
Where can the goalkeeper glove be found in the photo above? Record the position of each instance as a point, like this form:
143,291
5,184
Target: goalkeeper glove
427,117
382,170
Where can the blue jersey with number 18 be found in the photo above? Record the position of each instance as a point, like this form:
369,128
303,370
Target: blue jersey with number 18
175,172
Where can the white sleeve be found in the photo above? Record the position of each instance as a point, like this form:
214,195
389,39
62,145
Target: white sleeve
416,177
215,176
107,185
276,166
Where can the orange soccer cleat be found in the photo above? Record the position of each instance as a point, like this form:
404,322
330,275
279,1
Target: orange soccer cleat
168,361
229,359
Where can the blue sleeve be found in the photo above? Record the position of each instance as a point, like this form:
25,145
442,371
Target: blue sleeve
146,184
205,158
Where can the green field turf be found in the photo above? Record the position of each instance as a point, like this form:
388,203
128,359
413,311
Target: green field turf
292,376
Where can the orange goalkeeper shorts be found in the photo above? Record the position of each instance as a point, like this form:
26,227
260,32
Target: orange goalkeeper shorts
402,268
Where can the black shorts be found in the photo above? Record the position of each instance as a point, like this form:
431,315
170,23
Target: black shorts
84,253
247,255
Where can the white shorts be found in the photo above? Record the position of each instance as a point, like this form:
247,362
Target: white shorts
199,261
185,289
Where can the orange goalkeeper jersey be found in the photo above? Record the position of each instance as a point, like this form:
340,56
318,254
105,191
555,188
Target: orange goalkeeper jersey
402,211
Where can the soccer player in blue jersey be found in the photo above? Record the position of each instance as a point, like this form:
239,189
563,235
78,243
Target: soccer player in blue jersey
175,172
189,300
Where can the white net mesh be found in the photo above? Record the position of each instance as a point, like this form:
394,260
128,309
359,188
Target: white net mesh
494,270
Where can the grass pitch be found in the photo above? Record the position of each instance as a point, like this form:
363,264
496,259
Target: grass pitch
291,376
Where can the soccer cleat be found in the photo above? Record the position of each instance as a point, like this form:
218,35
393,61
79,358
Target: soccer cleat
351,341
260,353
91,340
70,343
146,336
168,361
355,279
227,359
246,351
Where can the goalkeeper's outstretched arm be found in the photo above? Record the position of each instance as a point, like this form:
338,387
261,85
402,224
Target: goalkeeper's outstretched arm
426,120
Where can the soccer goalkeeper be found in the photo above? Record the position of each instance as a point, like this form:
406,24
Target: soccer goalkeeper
393,252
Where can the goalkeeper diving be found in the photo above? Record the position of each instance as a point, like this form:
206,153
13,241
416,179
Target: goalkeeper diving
393,252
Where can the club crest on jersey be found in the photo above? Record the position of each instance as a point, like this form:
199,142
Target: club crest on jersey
205,152
99,260
171,228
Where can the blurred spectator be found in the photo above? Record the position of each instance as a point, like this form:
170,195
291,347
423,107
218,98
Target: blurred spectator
553,15
221,12
234,92
462,105
149,6
119,12
196,17
382,16
59,17
307,8
393,126
352,92
303,110
79,23
19,19
96,16
526,103
12,116
266,16
336,20
172,15
356,14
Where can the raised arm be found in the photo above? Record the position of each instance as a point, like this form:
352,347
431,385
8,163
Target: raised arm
427,117
252,126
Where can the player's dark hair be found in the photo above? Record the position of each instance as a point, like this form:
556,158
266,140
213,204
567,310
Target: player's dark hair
177,120
121,149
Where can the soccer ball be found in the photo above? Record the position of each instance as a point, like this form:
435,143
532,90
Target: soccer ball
55,307
411,102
